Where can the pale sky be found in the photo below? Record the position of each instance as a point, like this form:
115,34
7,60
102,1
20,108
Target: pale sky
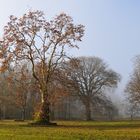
112,27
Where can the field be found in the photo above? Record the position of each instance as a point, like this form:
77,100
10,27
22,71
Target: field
71,130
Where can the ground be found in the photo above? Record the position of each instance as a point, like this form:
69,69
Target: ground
71,130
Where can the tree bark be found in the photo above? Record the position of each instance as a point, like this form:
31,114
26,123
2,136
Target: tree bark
44,114
88,111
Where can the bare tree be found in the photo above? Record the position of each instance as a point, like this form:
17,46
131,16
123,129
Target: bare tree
132,110
35,40
133,89
89,77
133,86
111,111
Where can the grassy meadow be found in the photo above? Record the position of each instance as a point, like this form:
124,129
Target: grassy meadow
71,130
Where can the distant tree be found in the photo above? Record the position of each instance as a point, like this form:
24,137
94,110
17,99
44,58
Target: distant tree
35,40
133,85
5,95
89,77
132,110
20,83
133,89
111,110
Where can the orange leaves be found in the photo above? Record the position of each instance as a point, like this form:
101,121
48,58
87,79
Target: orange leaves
27,36
3,68
40,43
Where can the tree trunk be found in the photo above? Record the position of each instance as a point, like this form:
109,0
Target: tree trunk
52,114
88,111
131,116
23,114
44,114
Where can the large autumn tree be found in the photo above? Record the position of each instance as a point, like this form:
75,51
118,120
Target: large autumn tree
35,40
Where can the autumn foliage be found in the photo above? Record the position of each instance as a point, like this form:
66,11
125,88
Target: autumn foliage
34,40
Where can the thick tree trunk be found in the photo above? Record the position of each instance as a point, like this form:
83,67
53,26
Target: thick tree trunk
44,114
88,111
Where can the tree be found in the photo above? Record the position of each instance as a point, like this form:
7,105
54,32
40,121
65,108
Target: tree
5,96
35,40
21,85
133,85
89,77
133,89
132,110
111,110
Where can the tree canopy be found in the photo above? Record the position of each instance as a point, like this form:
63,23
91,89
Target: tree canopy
35,40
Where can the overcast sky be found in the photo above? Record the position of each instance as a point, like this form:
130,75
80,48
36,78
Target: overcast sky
112,27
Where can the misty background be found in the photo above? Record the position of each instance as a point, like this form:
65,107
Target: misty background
112,30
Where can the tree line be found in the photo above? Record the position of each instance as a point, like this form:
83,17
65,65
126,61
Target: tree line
38,74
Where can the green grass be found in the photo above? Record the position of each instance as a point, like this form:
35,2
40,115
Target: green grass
71,130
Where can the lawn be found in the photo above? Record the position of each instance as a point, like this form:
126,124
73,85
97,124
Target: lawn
71,130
